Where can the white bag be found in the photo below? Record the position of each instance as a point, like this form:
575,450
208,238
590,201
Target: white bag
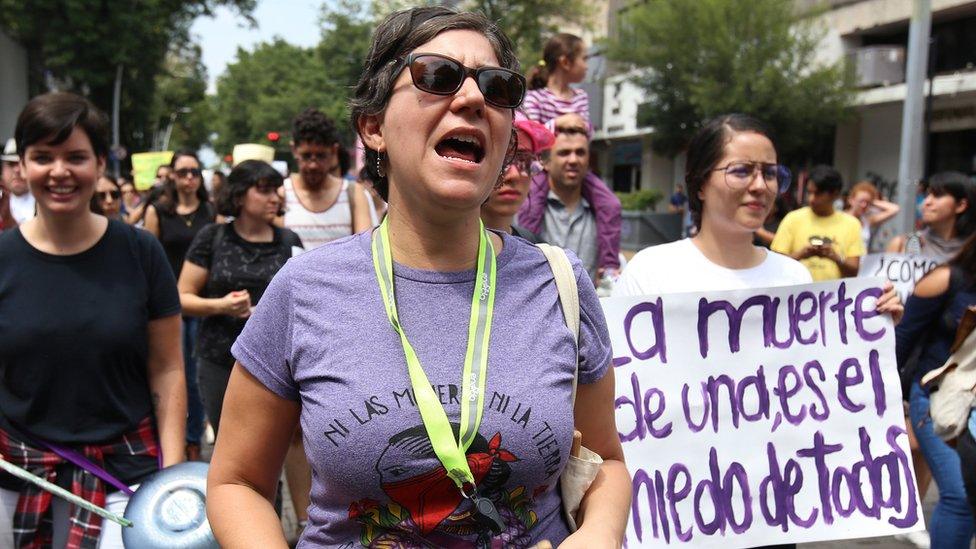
950,404
582,468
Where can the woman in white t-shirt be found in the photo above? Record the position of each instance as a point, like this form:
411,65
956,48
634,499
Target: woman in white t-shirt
732,177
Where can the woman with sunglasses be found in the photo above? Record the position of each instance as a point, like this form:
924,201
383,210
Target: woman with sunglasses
175,218
92,396
498,212
107,199
227,269
435,333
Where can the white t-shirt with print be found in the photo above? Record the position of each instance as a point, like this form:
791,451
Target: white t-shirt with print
681,267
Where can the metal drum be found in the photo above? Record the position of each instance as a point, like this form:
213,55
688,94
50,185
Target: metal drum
169,510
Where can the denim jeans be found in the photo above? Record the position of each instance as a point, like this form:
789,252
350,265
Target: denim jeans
951,525
194,406
966,447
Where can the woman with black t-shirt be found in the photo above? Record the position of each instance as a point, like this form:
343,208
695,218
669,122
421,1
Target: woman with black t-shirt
175,218
93,395
228,267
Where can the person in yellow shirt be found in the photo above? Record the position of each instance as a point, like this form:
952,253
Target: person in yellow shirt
828,242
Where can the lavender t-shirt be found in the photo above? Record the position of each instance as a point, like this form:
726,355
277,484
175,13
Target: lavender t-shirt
320,335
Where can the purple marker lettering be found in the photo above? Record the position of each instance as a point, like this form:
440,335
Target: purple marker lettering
784,393
686,405
656,312
841,309
911,512
845,380
799,316
822,301
737,474
877,384
676,495
860,315
819,452
770,314
758,384
639,432
652,413
734,316
643,480
714,387
823,411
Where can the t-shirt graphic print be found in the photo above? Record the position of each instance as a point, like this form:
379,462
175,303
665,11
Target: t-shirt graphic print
326,342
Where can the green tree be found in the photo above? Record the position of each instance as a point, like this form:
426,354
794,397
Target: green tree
181,99
264,89
78,46
709,57
529,23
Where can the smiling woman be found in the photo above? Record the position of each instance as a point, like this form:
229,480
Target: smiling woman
89,341
390,368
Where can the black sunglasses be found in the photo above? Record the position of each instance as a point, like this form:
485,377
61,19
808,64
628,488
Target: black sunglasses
183,172
103,195
441,75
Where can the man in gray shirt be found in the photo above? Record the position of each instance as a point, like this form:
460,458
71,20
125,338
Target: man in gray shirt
569,220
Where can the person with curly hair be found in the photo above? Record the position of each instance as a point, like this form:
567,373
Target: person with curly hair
320,206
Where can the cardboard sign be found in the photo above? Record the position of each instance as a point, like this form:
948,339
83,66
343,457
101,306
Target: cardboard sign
761,417
144,167
903,270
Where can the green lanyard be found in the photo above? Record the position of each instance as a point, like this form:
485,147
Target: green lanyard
451,453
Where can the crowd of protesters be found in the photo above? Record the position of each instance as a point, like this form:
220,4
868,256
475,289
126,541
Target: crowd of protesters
131,321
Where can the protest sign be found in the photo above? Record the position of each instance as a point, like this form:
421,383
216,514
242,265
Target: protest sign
144,167
903,270
758,417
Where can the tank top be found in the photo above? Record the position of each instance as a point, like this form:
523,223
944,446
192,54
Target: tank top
176,232
317,228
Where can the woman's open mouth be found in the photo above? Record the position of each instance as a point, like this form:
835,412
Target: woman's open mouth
463,147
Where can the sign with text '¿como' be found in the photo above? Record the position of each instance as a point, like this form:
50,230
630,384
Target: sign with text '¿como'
759,417
902,270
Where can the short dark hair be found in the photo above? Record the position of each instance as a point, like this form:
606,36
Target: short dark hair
53,116
398,34
313,126
707,147
245,175
961,187
826,178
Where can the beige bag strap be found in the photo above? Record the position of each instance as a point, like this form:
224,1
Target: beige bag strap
562,271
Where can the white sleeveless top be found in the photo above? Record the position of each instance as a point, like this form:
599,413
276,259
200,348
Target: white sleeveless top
317,228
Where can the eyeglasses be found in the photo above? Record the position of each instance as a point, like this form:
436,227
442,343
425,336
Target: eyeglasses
738,175
186,172
313,157
103,195
441,75
526,163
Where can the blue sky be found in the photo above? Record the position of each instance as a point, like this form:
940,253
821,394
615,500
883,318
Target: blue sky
294,20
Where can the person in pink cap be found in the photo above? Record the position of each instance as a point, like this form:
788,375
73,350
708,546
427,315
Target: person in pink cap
498,212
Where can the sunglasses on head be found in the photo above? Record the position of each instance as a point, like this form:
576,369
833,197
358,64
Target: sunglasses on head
441,75
184,172
103,195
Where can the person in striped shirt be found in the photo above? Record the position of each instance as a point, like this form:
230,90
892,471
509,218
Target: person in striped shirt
563,109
